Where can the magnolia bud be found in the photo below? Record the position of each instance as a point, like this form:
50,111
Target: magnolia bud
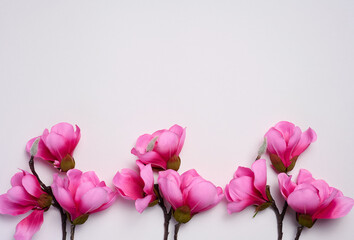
34,148
305,220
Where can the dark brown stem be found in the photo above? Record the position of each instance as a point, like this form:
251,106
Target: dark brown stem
72,233
49,191
176,230
298,233
167,215
280,218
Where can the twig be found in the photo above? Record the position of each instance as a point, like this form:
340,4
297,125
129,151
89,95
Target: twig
176,230
299,231
167,215
49,191
280,218
72,233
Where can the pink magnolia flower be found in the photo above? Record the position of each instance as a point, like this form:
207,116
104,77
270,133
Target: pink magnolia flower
57,146
285,143
248,187
162,148
313,197
188,194
81,194
24,196
136,186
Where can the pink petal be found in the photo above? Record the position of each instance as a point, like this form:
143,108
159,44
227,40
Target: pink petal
74,177
260,176
307,138
243,171
323,189
111,198
20,196
286,186
43,152
129,184
275,143
202,197
339,207
67,131
58,145
147,176
10,208
167,144
82,189
142,203
65,199
178,130
142,143
31,184
90,176
181,133
304,177
93,199
238,205
293,141
169,184
16,179
29,225
286,129
304,201
188,177
151,157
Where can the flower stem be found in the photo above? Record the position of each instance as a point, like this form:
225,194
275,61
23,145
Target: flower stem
299,231
176,230
72,233
49,191
167,215
280,218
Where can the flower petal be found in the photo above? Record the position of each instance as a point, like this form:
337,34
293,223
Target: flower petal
31,184
304,177
142,143
43,152
275,143
29,225
260,176
129,184
339,207
304,201
11,208
142,203
307,138
147,176
167,144
286,186
169,184
93,199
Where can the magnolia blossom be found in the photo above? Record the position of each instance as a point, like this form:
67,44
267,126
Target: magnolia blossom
285,143
136,186
162,148
81,194
314,198
248,187
188,194
57,146
24,196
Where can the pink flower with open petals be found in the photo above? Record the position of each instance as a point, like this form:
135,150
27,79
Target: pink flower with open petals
248,187
285,142
57,146
188,194
314,198
82,194
24,196
136,186
162,148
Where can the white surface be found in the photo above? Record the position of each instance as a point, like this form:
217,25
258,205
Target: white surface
227,70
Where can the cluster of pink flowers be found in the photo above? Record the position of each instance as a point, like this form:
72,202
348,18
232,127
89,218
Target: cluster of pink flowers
79,194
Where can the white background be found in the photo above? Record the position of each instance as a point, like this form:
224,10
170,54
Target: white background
227,70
